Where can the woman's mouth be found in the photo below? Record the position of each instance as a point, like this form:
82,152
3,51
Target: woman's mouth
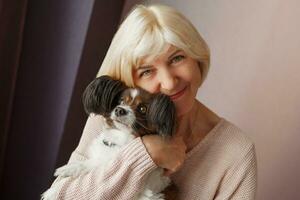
178,94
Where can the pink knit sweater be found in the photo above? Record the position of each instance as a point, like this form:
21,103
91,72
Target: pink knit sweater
222,166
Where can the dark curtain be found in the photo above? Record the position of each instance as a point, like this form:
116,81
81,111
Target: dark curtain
50,51
12,17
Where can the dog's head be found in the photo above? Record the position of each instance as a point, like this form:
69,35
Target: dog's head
130,108
101,96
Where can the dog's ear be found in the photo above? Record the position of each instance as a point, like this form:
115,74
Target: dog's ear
162,115
102,95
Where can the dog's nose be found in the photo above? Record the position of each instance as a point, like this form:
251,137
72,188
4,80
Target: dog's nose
120,111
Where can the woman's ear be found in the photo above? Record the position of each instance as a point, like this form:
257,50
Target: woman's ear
102,94
162,115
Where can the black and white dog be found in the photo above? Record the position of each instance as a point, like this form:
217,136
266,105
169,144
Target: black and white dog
129,113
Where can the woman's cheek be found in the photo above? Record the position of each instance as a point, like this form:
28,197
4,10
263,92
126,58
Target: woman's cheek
148,86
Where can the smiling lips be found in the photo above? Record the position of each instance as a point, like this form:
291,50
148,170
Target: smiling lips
178,94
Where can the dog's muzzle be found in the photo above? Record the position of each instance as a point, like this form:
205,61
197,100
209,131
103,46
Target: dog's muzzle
119,111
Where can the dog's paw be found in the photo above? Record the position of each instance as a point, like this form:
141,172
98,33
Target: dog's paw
52,192
150,195
63,171
71,169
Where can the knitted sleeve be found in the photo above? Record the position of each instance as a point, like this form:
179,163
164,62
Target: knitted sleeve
240,181
122,181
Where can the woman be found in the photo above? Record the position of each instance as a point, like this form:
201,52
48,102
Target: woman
159,50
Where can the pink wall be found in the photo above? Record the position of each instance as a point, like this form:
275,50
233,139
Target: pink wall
254,80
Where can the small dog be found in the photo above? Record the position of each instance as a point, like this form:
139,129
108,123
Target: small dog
129,113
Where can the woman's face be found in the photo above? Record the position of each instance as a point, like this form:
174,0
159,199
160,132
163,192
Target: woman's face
173,73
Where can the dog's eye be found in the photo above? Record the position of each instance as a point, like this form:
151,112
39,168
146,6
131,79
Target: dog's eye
142,109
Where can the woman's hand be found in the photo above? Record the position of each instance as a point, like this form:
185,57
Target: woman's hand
168,154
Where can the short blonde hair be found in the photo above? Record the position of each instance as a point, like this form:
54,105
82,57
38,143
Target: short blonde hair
145,32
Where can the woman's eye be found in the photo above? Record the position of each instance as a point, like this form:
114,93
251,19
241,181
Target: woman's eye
146,73
177,58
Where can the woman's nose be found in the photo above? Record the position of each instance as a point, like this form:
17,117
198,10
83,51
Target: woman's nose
168,80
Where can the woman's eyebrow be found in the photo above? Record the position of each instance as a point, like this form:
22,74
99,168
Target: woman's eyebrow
144,67
174,53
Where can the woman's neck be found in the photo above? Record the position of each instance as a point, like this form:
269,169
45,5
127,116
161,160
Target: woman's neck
196,124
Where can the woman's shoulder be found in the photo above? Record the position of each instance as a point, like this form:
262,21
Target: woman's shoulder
230,139
235,134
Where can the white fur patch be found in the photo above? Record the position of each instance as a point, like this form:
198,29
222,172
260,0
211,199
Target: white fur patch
134,93
127,120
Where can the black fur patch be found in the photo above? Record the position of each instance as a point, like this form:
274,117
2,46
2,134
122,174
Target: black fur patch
102,95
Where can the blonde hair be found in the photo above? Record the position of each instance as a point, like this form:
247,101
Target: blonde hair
145,32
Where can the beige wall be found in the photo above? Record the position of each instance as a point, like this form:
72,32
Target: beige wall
254,80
